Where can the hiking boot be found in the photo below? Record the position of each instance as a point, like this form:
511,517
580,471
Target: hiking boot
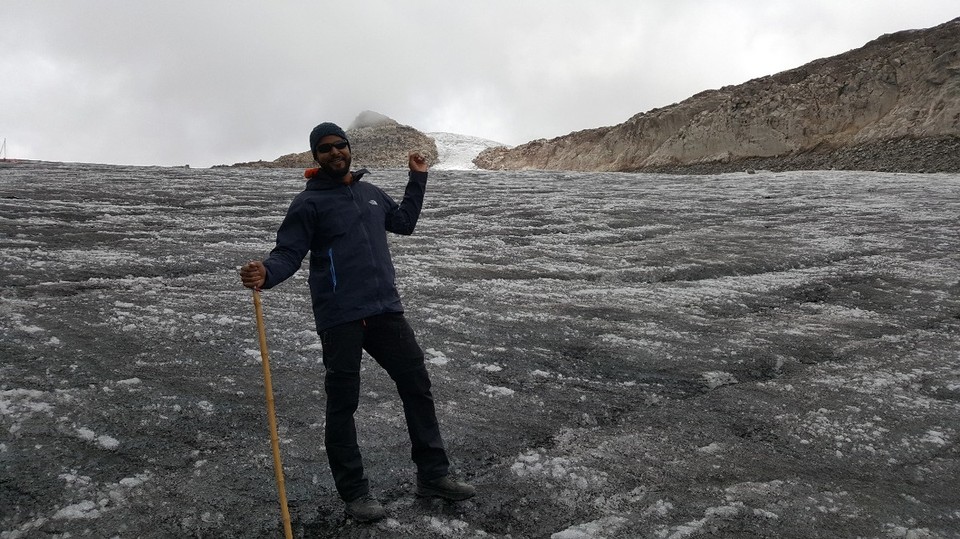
446,488
366,508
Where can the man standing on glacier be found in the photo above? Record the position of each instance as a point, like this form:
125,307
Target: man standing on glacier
342,221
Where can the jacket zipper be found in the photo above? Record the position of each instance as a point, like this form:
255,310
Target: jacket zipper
366,236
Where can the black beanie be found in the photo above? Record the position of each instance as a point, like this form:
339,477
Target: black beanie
322,130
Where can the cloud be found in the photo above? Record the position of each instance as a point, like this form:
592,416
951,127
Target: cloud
218,82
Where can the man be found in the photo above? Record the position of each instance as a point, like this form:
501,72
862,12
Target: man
342,221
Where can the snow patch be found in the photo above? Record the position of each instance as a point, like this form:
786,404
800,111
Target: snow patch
224,320
85,510
563,469
436,357
715,379
495,391
447,527
935,437
908,533
104,441
457,152
603,527
135,481
18,402
711,449
107,442
206,406
660,508
487,367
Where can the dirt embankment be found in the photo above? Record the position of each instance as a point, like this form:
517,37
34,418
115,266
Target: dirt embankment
941,154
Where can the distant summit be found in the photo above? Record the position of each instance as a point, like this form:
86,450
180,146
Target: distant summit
376,141
891,105
369,118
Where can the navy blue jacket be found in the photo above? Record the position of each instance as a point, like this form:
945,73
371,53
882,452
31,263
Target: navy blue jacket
344,227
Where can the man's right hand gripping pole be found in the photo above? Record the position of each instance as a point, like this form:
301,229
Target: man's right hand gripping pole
253,274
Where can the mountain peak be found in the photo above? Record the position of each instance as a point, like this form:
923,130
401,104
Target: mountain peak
369,118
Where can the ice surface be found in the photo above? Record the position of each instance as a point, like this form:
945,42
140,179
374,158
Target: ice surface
612,355
456,152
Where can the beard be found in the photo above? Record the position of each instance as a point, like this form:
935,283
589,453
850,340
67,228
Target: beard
337,168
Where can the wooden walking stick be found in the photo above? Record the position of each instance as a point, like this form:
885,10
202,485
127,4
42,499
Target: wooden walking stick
271,417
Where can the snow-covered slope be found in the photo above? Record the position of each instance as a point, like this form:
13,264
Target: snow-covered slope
457,151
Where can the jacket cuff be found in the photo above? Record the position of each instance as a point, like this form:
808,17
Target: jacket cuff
267,284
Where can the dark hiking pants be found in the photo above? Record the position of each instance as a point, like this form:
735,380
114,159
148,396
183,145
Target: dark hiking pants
391,342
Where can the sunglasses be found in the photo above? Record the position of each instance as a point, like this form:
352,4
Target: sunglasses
325,148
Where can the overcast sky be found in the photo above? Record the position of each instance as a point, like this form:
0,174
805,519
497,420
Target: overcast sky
210,82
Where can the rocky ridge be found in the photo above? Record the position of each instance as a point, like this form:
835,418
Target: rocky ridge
891,105
376,141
